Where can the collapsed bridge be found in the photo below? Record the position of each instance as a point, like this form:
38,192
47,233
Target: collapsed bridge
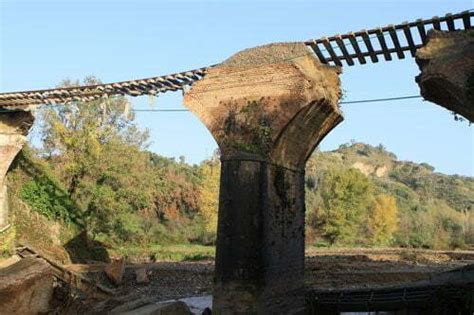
383,41
268,108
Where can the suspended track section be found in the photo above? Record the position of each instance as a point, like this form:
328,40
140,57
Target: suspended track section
389,42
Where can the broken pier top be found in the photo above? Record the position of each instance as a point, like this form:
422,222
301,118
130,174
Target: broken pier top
274,102
447,71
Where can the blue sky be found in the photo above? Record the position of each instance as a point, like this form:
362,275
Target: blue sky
44,42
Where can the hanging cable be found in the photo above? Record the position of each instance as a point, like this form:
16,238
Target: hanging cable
373,100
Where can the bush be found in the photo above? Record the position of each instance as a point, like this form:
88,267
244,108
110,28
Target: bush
47,199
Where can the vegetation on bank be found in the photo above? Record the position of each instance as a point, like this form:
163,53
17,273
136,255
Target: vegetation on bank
405,204
94,184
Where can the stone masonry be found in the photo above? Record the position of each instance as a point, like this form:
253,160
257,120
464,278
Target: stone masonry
267,108
14,127
447,71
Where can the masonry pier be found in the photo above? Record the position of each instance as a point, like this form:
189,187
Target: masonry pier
14,127
267,108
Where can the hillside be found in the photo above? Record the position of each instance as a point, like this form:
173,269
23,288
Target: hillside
383,167
160,202
434,210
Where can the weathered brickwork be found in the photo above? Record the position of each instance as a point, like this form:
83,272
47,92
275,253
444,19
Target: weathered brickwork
267,108
14,127
447,71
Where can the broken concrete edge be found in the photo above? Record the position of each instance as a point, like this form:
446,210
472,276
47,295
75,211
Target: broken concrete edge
446,63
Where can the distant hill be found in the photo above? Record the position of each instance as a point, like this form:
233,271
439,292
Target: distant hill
391,175
430,204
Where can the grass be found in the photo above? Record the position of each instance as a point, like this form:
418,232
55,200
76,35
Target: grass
192,252
181,252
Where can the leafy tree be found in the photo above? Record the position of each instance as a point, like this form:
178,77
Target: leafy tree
98,154
345,196
383,220
209,197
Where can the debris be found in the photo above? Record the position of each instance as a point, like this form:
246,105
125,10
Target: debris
142,276
115,270
26,287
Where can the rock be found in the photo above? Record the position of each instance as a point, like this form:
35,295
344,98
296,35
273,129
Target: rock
447,71
142,276
26,287
164,308
207,311
115,270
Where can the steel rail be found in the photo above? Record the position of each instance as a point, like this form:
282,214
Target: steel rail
377,36
147,86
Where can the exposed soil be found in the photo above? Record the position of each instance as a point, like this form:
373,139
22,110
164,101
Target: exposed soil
325,269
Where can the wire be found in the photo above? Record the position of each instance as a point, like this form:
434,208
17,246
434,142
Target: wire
373,100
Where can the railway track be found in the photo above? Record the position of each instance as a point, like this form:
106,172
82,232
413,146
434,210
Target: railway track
147,86
363,46
389,41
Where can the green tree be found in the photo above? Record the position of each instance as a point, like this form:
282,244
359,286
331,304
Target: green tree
97,150
383,220
345,196
209,197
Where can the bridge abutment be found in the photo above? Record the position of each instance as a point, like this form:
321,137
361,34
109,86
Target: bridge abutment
14,127
267,108
447,71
